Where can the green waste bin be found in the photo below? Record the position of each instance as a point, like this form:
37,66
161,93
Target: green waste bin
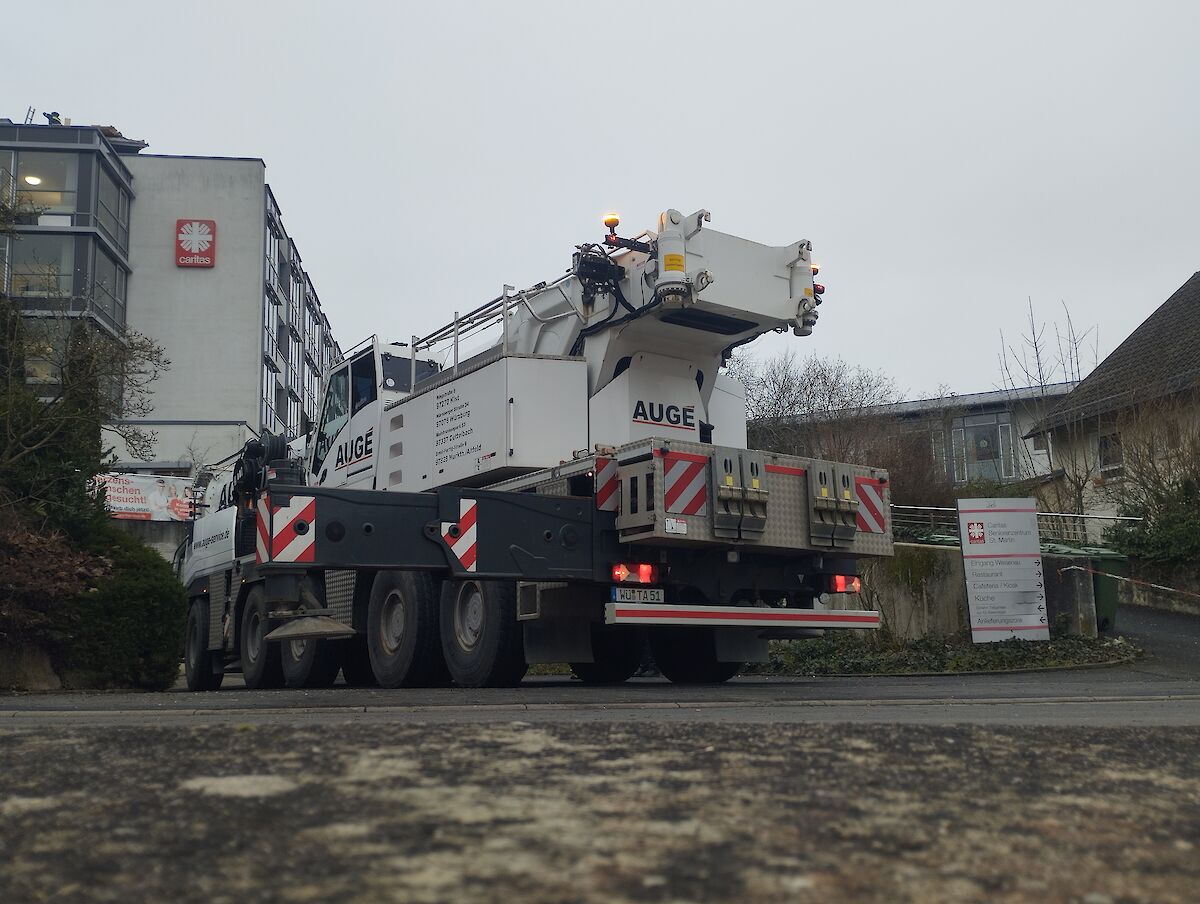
1105,589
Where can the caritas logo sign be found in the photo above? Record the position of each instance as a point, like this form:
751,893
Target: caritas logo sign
195,243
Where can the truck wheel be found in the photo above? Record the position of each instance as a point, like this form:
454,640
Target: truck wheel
689,656
198,660
617,653
356,662
261,661
402,631
481,637
312,661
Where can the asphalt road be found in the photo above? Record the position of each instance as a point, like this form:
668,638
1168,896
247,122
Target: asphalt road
1073,786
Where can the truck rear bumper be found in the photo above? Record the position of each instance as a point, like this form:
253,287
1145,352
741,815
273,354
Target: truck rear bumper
736,616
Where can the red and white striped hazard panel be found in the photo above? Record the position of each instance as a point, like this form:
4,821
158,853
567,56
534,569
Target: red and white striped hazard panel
607,485
460,535
871,507
685,483
285,533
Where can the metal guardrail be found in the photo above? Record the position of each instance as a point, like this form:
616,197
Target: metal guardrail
926,522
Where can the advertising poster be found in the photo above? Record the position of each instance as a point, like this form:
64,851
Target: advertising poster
146,497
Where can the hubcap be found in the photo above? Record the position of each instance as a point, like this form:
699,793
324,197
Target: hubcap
298,648
468,617
393,619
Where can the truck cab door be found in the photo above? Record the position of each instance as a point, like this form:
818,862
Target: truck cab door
359,457
331,430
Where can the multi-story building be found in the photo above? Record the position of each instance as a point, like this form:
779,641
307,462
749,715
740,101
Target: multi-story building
190,251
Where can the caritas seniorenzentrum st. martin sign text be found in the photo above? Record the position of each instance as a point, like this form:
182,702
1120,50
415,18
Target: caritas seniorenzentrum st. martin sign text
1002,557
195,243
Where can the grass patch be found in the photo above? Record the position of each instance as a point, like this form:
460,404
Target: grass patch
855,653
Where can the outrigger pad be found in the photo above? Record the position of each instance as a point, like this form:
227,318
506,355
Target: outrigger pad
311,626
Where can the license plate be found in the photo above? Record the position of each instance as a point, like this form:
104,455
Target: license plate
637,595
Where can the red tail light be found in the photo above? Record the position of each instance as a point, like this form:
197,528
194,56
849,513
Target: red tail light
844,583
634,573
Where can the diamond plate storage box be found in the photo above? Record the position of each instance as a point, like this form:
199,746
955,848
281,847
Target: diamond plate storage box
675,493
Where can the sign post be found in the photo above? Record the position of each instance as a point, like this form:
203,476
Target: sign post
1002,558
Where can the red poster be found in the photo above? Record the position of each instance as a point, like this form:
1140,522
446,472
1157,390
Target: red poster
195,243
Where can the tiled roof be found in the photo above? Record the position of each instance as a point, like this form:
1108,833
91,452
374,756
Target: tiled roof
1161,357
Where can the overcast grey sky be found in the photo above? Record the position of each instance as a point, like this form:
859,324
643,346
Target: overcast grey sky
946,159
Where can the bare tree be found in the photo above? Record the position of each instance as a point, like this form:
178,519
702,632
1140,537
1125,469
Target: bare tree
830,409
63,377
1039,360
819,407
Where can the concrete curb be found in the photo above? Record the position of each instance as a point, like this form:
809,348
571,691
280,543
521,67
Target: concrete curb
60,715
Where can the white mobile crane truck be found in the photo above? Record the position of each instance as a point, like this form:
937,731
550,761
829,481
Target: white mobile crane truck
577,489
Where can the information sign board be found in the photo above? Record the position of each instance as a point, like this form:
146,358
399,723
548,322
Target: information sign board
1002,558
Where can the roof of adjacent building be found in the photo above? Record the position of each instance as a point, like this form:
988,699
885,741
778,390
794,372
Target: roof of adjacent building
972,400
1157,359
998,399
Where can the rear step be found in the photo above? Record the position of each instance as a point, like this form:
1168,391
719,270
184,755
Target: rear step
735,616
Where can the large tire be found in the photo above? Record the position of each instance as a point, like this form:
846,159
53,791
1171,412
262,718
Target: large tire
355,659
262,665
402,631
689,656
313,661
482,640
617,653
310,662
200,665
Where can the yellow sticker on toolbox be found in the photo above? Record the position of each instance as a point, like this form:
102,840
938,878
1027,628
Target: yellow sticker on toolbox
728,480
673,262
754,483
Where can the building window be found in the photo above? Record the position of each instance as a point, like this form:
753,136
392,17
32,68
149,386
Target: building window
108,288
1111,455
47,181
43,265
937,441
983,449
112,209
269,419
1041,442
272,267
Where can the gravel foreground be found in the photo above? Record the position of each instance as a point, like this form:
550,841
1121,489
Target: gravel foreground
599,813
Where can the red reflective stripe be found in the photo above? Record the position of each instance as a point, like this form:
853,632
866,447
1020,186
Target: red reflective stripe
467,521
698,502
682,482
604,493
783,469
468,557
688,456
286,534
746,616
865,501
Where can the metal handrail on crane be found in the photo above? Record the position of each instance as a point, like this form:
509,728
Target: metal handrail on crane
486,315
